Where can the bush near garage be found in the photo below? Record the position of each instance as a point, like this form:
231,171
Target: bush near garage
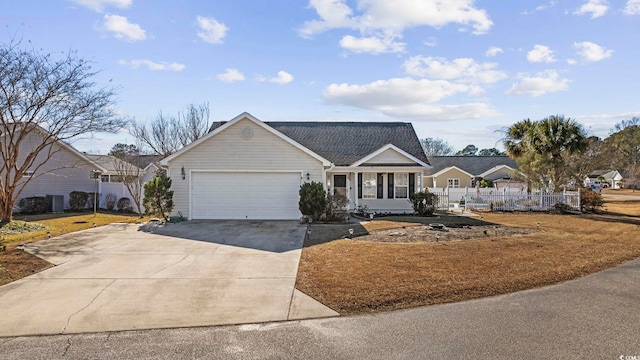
110,201
33,205
124,205
313,200
78,200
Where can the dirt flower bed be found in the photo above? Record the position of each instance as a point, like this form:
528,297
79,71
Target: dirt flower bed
436,233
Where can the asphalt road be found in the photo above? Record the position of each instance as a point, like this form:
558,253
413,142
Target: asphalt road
594,317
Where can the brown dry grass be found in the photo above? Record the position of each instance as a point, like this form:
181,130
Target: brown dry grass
16,264
353,276
621,192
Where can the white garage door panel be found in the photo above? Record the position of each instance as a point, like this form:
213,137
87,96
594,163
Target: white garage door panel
244,195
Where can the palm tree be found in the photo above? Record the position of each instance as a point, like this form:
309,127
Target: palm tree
541,148
519,137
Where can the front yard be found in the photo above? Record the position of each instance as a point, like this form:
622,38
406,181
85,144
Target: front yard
16,264
409,266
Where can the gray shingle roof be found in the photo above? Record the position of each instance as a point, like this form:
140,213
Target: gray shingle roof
111,163
145,160
474,165
344,143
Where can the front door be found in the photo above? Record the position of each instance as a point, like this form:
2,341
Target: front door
340,185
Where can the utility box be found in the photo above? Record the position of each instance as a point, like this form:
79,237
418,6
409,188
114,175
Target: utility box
56,203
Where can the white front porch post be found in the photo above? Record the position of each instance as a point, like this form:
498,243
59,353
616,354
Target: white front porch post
324,179
424,188
355,189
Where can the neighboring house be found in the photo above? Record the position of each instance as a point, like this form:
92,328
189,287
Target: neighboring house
150,164
112,179
613,178
467,171
249,169
114,168
65,170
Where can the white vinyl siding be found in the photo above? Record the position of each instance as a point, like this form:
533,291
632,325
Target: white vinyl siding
390,156
229,151
64,172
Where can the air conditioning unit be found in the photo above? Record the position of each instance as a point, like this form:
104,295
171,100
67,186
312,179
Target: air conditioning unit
56,203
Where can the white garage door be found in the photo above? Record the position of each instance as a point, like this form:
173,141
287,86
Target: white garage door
245,195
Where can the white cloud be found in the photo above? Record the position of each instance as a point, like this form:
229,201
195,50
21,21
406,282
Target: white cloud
333,14
632,7
591,51
153,66
99,5
123,29
601,124
373,45
409,98
282,78
381,22
396,91
211,30
231,75
542,7
431,41
441,112
540,53
548,5
493,51
463,69
542,83
596,8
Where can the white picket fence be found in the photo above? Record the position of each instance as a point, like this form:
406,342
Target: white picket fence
504,199
523,202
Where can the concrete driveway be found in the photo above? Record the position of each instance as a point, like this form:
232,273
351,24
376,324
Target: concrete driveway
125,277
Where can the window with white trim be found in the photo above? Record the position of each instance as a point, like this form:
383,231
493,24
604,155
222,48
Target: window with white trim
453,183
401,185
369,186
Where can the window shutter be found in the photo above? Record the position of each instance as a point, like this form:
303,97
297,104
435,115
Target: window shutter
359,185
380,184
390,183
412,183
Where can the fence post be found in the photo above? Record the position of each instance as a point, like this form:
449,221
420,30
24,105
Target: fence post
579,199
541,200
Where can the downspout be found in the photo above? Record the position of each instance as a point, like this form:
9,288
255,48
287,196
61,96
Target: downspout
324,176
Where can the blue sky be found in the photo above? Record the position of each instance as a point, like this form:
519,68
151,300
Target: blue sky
456,69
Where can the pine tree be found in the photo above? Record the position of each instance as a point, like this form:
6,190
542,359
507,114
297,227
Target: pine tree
158,199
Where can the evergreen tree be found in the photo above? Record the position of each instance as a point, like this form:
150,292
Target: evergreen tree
158,199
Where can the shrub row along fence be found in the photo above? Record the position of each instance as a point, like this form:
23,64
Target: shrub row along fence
504,200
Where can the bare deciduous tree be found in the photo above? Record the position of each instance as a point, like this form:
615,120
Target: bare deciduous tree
436,147
44,99
193,123
126,163
166,134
